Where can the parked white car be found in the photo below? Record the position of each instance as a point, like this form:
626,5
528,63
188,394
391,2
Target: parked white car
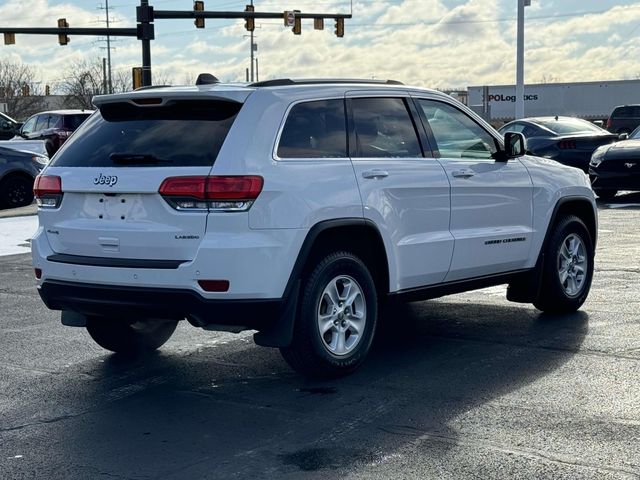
296,208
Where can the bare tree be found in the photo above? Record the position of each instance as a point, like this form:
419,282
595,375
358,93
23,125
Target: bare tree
82,80
19,89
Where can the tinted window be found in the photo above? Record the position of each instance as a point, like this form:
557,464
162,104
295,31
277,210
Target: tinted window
72,122
314,130
456,134
512,127
626,112
383,128
184,133
564,126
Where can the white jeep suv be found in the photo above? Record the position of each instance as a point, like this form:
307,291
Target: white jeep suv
296,208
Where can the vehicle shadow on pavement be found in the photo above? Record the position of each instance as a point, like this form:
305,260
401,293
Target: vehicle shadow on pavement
241,413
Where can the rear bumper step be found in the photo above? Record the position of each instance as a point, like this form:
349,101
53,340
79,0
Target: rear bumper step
108,300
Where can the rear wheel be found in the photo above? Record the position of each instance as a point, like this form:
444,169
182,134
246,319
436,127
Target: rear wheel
16,191
605,194
130,337
567,267
337,319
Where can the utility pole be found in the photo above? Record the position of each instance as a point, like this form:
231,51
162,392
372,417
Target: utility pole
520,59
104,75
108,21
106,5
252,80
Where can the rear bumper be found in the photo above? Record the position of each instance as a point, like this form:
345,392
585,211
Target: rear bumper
159,303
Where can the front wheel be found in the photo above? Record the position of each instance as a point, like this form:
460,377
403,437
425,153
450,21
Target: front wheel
567,267
130,337
337,318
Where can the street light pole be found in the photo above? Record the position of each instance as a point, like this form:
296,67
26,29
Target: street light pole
520,59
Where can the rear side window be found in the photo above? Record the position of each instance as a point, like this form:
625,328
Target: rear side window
384,128
315,130
72,122
182,133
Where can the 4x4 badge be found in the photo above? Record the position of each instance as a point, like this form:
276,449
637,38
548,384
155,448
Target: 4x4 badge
101,179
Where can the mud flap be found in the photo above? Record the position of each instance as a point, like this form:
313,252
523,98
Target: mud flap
73,319
527,288
281,333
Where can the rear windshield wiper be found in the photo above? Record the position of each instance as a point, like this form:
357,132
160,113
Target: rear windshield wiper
136,159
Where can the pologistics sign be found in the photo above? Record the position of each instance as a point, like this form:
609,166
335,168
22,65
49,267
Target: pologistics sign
511,98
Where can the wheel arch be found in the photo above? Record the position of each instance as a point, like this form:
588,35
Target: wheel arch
356,235
582,208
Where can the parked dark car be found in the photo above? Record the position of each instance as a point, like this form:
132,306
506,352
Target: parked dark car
624,119
568,140
616,167
53,127
8,127
18,170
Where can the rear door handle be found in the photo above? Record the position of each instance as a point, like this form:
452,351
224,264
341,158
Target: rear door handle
375,173
464,173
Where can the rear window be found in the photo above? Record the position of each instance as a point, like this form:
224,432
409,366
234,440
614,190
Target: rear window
570,125
182,133
73,121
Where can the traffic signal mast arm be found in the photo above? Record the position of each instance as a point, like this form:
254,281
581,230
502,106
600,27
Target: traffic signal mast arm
165,14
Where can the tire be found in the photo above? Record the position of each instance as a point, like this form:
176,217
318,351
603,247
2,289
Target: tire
350,321
567,267
16,191
605,194
130,338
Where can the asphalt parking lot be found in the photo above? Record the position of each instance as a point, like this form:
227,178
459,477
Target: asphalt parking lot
467,386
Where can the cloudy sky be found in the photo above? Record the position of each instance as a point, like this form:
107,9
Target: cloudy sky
434,43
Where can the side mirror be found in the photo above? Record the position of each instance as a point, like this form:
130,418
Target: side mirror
623,136
514,144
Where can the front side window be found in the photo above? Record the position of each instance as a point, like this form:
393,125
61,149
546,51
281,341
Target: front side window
42,123
384,128
456,134
29,125
315,130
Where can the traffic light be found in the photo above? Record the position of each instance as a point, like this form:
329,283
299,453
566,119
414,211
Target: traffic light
47,90
136,77
9,38
249,23
63,38
339,31
198,6
318,23
297,24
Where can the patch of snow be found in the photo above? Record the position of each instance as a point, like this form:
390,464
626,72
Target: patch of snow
16,233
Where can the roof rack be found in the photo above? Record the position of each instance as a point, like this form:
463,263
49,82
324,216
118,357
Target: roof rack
150,87
287,81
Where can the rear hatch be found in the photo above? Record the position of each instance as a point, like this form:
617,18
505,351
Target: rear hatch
111,172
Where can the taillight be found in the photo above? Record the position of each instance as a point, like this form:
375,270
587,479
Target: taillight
608,125
567,144
214,193
48,191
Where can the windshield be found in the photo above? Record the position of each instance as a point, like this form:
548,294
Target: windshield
180,134
565,126
635,134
